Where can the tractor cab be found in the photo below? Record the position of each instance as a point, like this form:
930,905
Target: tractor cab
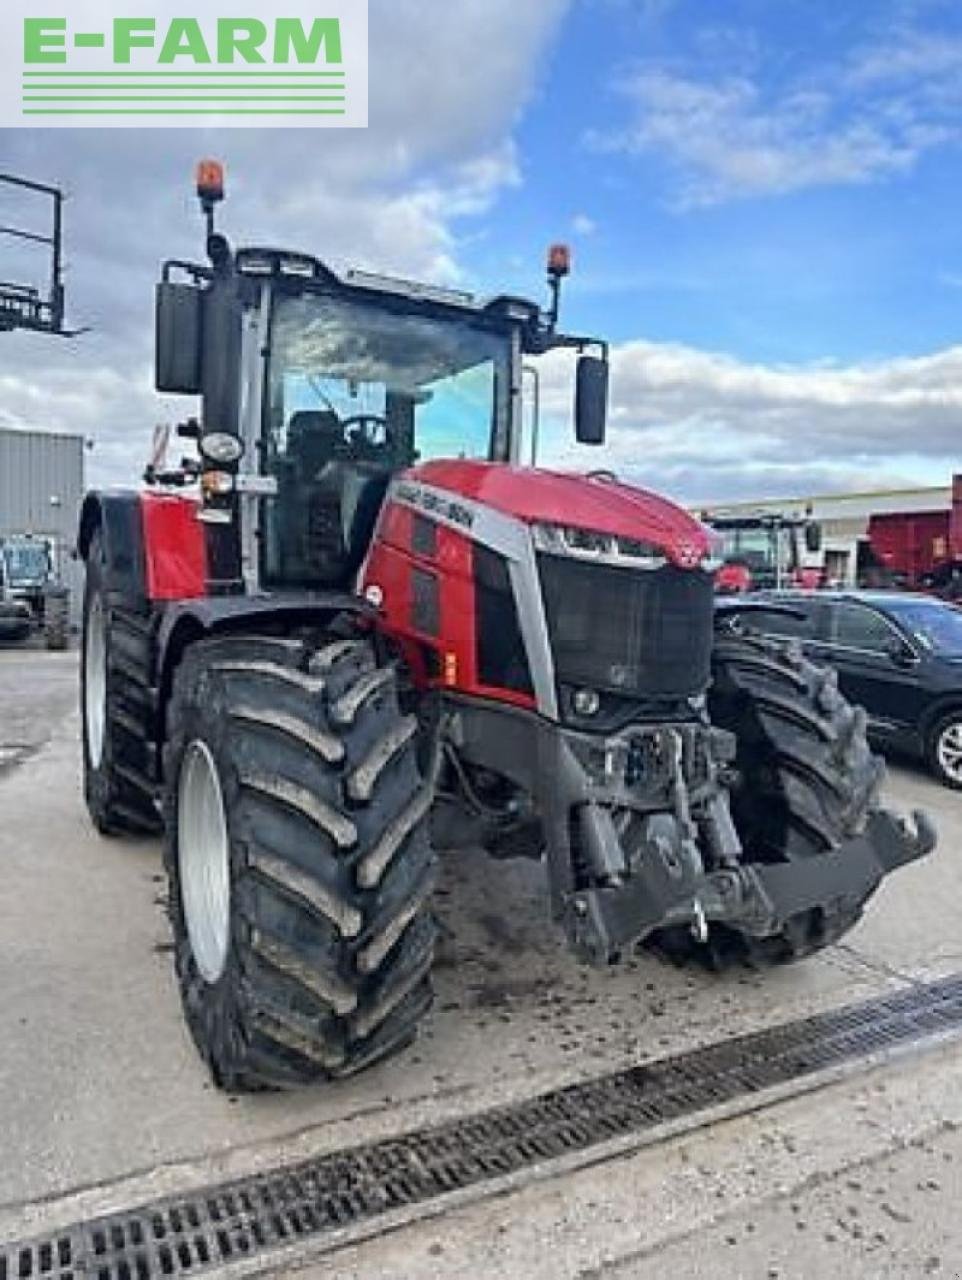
765,551
317,388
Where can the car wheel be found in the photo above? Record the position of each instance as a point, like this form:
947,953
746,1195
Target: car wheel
945,751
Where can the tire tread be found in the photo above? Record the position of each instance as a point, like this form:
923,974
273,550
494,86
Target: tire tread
332,963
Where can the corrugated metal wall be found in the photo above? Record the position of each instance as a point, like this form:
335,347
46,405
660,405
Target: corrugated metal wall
41,488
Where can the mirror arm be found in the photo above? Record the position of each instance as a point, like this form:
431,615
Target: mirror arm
539,340
192,269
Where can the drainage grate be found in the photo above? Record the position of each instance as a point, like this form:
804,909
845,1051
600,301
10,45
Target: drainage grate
244,1219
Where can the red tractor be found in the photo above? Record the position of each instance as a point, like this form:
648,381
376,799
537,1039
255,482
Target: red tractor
764,551
356,631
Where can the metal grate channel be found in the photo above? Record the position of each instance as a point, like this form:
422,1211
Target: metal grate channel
240,1220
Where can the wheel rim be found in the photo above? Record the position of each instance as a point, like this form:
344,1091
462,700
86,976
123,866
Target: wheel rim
203,860
95,682
949,750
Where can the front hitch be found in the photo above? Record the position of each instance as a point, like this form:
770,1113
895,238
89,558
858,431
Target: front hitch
759,899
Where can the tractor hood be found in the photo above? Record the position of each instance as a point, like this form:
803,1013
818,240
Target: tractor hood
582,502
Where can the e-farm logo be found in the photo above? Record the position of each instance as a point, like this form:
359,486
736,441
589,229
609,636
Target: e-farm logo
116,65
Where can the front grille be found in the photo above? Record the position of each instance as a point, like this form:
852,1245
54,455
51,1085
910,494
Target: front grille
641,632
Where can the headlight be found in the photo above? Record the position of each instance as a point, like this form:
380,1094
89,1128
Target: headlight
599,548
586,702
222,447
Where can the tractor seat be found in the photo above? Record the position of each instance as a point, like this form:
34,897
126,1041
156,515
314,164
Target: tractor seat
314,437
346,498
329,502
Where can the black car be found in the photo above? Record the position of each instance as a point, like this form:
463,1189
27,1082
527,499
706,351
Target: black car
897,654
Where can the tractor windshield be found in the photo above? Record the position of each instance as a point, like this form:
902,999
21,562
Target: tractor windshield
382,385
357,392
768,551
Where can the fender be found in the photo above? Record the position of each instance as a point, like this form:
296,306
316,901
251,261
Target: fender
153,543
175,551
183,623
155,560
118,517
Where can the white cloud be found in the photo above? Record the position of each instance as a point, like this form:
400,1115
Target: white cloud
410,232
866,116
729,140
582,225
915,56
703,425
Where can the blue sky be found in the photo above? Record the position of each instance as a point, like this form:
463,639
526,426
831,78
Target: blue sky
861,260
763,199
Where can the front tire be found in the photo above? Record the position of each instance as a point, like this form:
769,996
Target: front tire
805,779
298,858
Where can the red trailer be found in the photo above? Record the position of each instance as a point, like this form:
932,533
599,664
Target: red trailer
955,520
910,544
923,548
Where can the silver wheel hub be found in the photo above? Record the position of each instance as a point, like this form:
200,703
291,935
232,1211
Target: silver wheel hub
203,860
949,750
95,681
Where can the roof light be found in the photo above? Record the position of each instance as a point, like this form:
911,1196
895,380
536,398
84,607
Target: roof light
250,264
294,265
210,180
559,260
410,288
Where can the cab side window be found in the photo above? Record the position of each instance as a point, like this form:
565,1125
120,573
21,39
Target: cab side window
856,627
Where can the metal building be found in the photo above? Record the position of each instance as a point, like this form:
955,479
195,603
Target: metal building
41,488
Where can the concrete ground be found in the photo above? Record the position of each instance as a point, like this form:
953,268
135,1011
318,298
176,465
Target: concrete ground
37,689
103,1101
861,1180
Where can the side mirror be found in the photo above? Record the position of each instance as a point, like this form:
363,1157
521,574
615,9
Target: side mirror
813,537
591,400
899,653
179,323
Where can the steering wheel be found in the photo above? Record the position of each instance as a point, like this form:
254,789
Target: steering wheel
363,433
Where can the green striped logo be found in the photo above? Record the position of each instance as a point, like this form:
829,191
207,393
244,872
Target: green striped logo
240,69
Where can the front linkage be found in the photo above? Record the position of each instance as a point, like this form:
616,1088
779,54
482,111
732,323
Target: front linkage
762,902
752,833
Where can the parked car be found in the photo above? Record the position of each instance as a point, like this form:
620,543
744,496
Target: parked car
897,654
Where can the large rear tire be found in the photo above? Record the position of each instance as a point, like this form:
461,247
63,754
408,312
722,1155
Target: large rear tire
805,781
298,856
115,707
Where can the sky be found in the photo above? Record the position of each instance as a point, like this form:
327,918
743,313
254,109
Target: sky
763,201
